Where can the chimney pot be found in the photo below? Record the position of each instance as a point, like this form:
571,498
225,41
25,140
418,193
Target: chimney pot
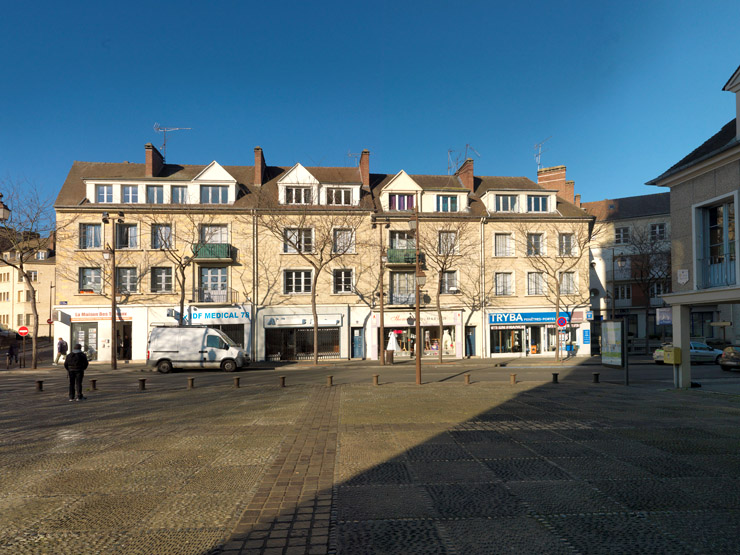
365,169
259,166
154,160
466,174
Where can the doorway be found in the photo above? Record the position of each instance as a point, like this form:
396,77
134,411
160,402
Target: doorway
536,343
123,340
86,334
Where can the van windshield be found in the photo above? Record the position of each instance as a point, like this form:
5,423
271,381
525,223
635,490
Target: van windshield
226,338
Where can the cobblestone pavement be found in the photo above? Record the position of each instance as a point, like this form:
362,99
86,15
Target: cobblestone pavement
574,467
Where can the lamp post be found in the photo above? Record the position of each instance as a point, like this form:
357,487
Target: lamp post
621,262
4,210
383,260
110,251
420,279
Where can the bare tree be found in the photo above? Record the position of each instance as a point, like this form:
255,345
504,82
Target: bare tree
28,230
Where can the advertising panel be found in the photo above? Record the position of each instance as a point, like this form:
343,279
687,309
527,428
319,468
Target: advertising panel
612,349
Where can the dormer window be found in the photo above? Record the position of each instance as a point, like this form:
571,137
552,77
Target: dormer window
154,194
103,193
179,194
338,196
298,195
130,194
401,202
505,203
41,255
446,203
536,203
214,194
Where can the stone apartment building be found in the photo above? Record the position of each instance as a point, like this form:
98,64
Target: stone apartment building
246,247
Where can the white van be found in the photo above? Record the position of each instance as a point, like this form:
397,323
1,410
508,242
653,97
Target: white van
193,347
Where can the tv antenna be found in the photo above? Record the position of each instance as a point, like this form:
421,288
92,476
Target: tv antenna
454,162
159,129
538,152
354,156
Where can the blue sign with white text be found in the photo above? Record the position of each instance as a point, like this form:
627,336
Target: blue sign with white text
586,337
524,317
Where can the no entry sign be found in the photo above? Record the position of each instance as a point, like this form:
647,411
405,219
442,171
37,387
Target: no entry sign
23,331
562,321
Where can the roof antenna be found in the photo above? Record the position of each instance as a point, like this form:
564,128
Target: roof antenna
164,130
354,156
538,152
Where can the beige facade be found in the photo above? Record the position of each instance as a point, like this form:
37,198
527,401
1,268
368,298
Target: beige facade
16,308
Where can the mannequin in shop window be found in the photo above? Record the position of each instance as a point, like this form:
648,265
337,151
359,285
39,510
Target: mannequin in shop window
446,340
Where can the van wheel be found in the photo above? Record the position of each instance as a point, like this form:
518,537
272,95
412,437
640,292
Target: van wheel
228,366
164,367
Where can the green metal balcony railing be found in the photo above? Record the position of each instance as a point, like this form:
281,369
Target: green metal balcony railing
212,250
401,256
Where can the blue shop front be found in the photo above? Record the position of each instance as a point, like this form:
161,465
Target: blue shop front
538,333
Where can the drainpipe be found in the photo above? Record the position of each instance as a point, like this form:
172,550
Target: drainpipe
349,334
255,287
484,331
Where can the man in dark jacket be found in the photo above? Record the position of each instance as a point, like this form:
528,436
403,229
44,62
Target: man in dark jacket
75,363
61,350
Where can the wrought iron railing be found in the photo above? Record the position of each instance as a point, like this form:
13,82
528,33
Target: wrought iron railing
223,296
717,271
401,256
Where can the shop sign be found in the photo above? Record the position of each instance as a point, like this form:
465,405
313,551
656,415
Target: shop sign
237,314
523,317
586,337
577,316
408,319
664,316
97,314
301,321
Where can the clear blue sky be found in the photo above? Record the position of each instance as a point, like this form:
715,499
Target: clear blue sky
624,89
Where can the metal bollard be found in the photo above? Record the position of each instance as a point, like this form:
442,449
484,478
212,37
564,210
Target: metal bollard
142,384
236,383
512,379
93,385
329,381
375,379
39,385
282,381
467,379
191,383
596,377
555,377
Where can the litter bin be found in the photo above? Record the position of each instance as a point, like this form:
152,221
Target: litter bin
389,357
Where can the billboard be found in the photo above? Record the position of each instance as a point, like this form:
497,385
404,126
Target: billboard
612,348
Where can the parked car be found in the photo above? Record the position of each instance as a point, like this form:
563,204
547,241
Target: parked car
193,347
730,358
700,352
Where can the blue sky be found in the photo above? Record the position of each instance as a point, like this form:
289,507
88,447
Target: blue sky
623,89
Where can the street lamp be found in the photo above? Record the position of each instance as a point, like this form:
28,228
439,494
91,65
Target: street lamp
4,210
110,253
420,279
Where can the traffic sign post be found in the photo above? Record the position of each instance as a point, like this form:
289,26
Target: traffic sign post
562,321
23,332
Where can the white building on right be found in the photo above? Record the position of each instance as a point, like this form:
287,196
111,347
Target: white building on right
704,189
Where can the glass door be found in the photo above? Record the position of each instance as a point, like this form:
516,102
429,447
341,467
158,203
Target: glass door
213,285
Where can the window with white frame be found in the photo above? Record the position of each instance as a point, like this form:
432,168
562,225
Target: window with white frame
448,283
40,255
32,274
297,239
161,236
298,195
214,194
342,281
446,203
130,194
344,241
622,235
447,243
154,194
90,280
535,244
20,319
622,292
126,280
535,283
296,281
402,240
658,232
338,196
214,234
503,244
161,280
566,244
505,203
536,203
90,236
503,282
658,289
127,236
400,202
103,194
568,283
403,288
179,194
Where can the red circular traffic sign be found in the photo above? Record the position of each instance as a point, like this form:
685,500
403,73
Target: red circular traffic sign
50,321
23,331
562,321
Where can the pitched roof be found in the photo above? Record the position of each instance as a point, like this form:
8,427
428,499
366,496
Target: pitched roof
723,140
629,207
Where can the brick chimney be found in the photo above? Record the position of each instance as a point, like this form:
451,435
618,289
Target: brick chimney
154,160
578,201
365,169
259,166
554,178
465,173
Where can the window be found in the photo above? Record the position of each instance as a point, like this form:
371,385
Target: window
502,244
658,289
32,274
505,203
342,281
401,202
568,283
658,232
297,240
90,280
103,193
179,194
344,241
566,244
503,283
154,194
718,251
447,243
130,194
126,280
90,236
214,194
403,240
214,234
296,281
403,288
536,203
40,255
622,235
126,236
534,244
448,283
213,284
161,236
336,195
20,319
446,203
298,195
622,292
161,280
535,283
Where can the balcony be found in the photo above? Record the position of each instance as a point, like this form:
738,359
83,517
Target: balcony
216,296
401,256
408,299
717,271
213,251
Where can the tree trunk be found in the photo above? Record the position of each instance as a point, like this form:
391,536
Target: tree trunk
439,315
557,328
34,308
181,271
315,318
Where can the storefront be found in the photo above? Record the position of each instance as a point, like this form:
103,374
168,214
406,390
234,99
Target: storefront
291,337
233,320
537,333
402,325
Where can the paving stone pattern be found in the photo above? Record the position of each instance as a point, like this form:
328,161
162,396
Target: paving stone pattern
443,468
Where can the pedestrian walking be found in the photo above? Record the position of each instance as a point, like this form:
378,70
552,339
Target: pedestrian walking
75,364
12,354
61,350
